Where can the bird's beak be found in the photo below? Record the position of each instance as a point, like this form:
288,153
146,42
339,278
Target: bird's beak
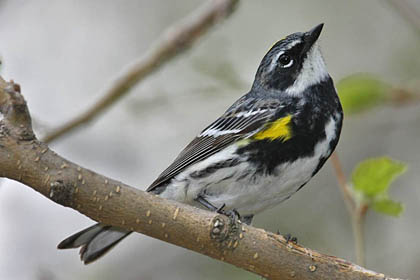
311,37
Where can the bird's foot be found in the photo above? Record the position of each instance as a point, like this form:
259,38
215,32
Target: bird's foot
232,214
226,230
220,209
289,238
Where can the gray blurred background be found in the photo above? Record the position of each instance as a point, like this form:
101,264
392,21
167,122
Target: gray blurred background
66,53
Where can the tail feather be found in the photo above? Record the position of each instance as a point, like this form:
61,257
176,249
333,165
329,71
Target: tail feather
94,241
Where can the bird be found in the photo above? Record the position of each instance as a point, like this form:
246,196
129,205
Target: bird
261,151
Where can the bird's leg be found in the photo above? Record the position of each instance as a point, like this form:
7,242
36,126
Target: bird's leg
208,205
232,214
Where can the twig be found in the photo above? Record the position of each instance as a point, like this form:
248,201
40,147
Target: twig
342,182
402,96
357,212
358,225
173,42
25,159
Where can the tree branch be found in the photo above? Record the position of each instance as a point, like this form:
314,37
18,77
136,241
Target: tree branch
174,41
25,159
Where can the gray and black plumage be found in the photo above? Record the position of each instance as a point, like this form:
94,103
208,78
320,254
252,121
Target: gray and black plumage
261,151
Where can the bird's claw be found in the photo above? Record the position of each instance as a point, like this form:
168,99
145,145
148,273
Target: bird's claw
290,238
232,214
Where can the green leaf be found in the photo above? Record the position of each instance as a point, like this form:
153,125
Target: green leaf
373,177
371,180
388,207
361,91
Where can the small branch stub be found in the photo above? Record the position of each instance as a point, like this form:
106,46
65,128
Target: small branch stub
15,112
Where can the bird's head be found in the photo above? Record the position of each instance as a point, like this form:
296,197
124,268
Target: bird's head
293,64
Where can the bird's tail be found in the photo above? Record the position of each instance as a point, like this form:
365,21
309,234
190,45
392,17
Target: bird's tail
94,241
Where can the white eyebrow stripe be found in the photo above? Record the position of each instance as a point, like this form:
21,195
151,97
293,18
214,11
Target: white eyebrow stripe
274,61
288,47
292,44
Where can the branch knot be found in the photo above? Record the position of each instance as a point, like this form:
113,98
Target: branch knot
16,119
227,231
61,193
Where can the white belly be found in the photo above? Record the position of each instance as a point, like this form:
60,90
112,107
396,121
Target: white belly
240,188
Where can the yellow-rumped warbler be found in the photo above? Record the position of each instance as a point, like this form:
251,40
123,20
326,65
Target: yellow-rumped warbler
261,151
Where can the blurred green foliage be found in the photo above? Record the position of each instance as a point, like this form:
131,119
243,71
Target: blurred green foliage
361,91
388,207
372,178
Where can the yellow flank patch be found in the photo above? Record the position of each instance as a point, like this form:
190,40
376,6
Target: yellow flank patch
279,129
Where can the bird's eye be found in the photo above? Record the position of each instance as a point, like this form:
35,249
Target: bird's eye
285,61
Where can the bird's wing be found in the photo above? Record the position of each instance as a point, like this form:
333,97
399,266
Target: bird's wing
237,123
